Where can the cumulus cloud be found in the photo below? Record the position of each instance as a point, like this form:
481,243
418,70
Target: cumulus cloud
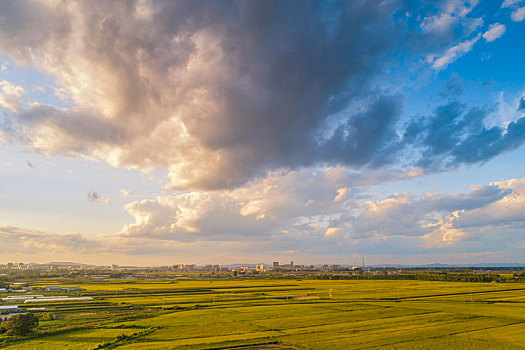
495,31
11,96
273,212
429,217
509,211
221,93
451,17
255,211
215,92
442,23
70,132
213,223
271,116
518,15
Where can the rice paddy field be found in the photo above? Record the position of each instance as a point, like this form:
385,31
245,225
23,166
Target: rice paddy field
274,314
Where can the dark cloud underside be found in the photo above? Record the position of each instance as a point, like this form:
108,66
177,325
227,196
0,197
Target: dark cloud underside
218,93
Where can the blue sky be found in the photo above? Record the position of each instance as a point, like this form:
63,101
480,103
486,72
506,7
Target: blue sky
153,132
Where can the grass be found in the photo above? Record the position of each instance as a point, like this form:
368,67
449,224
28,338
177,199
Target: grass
193,314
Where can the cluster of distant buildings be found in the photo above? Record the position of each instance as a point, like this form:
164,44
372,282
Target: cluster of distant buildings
177,267
64,267
255,268
289,266
293,267
195,268
44,267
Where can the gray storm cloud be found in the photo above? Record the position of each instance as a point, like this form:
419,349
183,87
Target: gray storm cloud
218,93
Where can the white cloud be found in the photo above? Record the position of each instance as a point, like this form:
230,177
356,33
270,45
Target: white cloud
261,209
495,31
510,210
444,234
11,96
341,194
212,94
455,52
433,218
332,231
449,24
459,8
126,193
518,15
265,209
438,24
510,3
179,91
211,223
220,103
97,198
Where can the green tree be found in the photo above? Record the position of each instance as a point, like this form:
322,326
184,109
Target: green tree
49,316
20,325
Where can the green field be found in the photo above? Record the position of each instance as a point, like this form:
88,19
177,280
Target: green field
307,314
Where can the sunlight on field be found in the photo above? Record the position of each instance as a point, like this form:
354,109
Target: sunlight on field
307,314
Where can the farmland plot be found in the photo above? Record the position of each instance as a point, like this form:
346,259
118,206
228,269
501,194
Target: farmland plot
355,315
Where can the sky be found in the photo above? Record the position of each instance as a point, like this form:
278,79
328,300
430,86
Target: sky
217,132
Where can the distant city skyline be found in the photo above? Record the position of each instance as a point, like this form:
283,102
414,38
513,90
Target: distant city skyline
164,132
